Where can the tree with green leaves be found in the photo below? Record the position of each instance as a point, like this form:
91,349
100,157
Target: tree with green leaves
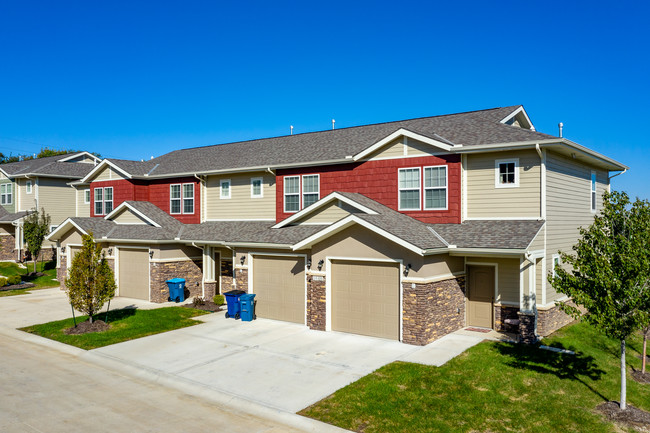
608,277
36,226
91,282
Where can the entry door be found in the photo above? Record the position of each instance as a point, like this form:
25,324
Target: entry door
480,296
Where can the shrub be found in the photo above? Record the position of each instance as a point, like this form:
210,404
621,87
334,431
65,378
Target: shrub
14,279
3,281
198,301
219,299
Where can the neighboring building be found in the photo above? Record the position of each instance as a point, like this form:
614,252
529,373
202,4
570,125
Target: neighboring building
40,183
405,230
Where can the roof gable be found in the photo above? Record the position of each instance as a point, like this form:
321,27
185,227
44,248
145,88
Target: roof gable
322,204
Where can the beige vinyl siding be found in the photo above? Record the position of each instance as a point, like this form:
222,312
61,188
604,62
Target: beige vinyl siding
507,279
568,205
538,243
240,205
415,147
85,159
83,208
128,217
108,173
396,149
484,199
328,214
26,201
179,252
57,198
72,236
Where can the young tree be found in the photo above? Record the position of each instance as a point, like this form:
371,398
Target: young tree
36,226
91,282
609,275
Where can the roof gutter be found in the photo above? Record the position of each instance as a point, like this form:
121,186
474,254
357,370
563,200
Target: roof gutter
486,252
618,174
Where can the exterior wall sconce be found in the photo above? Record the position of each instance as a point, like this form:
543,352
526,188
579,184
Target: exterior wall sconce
309,263
151,254
407,268
242,260
110,251
321,262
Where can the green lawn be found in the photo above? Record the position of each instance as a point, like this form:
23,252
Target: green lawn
493,387
48,268
126,324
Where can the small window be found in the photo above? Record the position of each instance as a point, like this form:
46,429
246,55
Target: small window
409,188
225,189
435,187
310,190
507,173
593,191
99,201
5,193
175,199
556,262
52,228
256,187
108,200
188,198
87,196
292,193
28,187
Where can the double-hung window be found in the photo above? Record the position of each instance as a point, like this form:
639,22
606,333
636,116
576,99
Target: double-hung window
435,188
409,188
256,187
87,196
292,193
28,187
103,200
593,191
6,193
181,198
506,173
225,189
310,190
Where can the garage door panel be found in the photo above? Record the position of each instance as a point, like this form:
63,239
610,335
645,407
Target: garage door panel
279,283
365,298
134,273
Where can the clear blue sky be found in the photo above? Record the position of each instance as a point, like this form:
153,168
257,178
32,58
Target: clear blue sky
136,79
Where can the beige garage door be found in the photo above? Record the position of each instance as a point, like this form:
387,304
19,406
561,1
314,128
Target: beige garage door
134,273
365,298
279,283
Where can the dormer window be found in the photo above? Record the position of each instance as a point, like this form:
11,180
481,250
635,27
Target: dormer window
507,173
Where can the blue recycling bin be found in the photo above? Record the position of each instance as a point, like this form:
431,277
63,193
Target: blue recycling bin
247,302
176,289
232,299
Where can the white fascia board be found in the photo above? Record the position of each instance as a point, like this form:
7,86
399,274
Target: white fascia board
348,222
319,204
76,155
595,154
517,111
257,245
536,234
485,252
402,133
132,209
7,175
63,228
101,165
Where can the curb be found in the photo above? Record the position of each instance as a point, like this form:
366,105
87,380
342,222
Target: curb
231,402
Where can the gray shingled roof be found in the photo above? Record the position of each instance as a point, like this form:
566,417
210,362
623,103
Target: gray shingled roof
156,214
471,128
98,226
502,234
7,217
247,232
48,166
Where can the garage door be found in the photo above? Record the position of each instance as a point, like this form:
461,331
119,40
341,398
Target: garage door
134,273
279,283
365,298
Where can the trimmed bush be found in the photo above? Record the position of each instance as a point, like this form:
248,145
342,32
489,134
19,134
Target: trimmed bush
14,279
219,299
3,281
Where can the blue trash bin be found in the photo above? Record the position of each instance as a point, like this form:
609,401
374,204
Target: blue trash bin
176,289
247,302
232,299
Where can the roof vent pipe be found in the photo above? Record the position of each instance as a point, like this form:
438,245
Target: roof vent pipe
333,122
291,129
560,125
151,156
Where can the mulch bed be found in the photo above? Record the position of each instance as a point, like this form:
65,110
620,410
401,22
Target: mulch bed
641,377
207,306
17,286
87,327
630,417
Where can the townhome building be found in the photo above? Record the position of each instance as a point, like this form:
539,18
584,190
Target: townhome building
404,230
40,183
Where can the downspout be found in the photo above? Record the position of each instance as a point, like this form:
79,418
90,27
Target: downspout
617,174
268,169
203,266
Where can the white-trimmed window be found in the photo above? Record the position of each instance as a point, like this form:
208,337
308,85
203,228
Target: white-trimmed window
225,189
506,173
6,193
28,187
292,193
435,187
175,198
87,196
409,188
310,189
188,198
256,187
593,191
103,200
556,262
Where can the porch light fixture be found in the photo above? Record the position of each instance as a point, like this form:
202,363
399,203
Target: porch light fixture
407,268
309,263
242,260
110,251
321,262
151,254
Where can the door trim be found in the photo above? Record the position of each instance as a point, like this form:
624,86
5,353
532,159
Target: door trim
496,287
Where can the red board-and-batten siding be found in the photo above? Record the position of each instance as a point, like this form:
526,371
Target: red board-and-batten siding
156,192
378,180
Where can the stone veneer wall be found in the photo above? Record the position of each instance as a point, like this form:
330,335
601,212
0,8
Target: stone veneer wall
316,302
46,254
241,279
61,271
550,320
190,270
8,248
209,290
503,312
432,310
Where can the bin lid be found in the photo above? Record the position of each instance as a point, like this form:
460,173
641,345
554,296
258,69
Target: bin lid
247,296
176,280
234,293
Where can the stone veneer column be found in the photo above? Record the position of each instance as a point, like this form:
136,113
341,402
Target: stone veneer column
316,302
61,271
209,290
527,327
551,319
241,279
190,270
432,310
503,313
8,248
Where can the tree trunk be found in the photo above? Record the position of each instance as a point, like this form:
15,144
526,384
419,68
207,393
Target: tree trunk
645,345
623,404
